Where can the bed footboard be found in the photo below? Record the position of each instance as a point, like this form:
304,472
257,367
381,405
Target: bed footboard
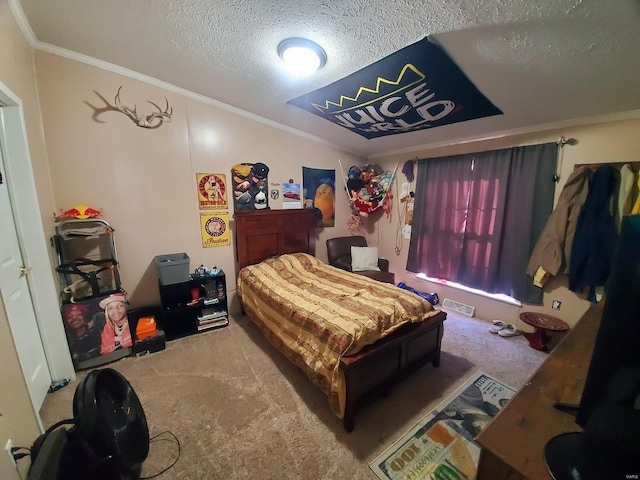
378,367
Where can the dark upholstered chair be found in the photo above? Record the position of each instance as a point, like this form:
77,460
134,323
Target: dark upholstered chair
339,254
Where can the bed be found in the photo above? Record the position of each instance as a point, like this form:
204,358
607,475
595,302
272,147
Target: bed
353,336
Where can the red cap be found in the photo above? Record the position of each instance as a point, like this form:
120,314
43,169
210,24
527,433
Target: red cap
76,308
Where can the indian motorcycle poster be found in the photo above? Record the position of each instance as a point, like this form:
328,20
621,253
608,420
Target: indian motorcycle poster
212,191
415,88
215,229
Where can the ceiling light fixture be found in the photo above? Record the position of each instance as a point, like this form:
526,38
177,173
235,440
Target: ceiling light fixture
302,57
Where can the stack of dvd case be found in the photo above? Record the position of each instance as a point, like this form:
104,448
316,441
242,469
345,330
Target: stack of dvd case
214,313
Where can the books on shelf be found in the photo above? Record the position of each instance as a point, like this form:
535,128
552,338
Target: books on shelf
213,323
211,320
211,314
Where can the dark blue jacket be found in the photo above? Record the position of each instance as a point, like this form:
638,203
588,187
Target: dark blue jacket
596,234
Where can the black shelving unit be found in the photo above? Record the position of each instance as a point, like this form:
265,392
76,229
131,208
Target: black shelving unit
182,316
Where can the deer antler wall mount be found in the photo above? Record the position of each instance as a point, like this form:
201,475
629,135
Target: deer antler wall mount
153,120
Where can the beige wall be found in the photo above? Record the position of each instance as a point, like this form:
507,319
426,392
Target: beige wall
144,180
17,420
616,141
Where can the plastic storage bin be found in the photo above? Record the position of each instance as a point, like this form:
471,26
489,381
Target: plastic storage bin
173,268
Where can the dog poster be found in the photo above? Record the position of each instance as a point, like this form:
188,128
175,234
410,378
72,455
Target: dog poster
212,191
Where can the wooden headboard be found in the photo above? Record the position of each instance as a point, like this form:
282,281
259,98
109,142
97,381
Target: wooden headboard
261,234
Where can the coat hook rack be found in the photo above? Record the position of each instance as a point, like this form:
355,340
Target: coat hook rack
561,143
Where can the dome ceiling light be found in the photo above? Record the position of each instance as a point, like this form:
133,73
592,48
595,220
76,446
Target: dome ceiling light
302,57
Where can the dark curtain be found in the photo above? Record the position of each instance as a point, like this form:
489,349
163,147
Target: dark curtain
477,217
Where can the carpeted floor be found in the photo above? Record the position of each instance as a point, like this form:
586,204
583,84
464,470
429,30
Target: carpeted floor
241,411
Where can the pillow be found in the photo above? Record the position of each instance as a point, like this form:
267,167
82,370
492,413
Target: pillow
364,258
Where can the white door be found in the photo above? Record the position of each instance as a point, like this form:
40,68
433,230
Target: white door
18,302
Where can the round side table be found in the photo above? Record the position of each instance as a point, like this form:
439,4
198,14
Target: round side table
542,323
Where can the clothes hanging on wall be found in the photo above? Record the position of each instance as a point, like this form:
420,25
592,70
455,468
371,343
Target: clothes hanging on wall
596,235
553,250
636,207
625,197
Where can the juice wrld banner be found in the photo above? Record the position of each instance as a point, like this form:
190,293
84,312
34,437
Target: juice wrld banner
416,88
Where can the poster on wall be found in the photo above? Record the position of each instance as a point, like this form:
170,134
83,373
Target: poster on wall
291,192
215,229
318,186
250,186
97,330
212,191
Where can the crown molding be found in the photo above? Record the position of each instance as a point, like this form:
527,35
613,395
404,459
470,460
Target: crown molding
23,23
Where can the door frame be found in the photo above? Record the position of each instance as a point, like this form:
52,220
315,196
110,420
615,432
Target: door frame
29,226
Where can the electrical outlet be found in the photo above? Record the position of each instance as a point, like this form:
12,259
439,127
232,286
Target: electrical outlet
8,448
556,304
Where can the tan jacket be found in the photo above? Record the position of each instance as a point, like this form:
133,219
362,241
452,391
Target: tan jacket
625,197
553,249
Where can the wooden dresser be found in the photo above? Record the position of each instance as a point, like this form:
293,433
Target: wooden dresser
513,443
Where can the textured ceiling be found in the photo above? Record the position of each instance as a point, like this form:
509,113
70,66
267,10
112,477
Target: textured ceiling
541,62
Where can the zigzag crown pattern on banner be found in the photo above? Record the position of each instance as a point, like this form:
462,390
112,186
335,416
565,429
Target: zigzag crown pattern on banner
409,76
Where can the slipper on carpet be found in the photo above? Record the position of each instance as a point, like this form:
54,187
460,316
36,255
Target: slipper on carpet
509,331
497,326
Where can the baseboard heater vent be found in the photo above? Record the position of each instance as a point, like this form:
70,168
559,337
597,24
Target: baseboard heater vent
458,307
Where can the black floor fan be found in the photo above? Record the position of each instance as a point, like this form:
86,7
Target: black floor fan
109,439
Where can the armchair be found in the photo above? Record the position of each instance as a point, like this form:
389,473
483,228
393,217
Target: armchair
339,255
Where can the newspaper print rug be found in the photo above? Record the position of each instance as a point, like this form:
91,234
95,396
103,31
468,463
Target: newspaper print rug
441,445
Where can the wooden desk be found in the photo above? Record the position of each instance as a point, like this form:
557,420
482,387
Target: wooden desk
513,443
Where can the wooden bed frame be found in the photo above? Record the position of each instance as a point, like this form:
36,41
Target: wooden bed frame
261,234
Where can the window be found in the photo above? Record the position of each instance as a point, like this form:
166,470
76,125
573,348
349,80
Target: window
478,216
